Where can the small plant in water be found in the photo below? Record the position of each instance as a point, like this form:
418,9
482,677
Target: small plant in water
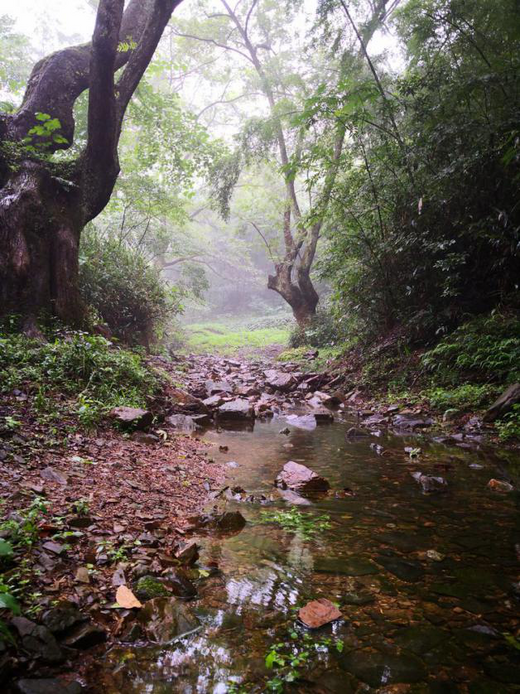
291,656
294,521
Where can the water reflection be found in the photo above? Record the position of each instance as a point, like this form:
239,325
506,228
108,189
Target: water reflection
426,582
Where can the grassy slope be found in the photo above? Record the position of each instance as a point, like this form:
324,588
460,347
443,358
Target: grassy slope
226,338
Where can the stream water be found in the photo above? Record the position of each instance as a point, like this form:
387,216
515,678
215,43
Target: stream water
426,583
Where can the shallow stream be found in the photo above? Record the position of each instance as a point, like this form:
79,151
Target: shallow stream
426,583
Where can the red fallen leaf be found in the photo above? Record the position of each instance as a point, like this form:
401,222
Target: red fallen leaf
318,612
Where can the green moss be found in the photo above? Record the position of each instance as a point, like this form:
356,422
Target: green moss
148,587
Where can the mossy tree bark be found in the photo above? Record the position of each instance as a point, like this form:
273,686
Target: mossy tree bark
45,204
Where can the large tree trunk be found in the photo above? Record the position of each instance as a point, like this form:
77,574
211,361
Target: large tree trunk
44,205
39,238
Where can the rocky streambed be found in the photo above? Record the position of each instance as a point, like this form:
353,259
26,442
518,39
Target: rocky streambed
345,550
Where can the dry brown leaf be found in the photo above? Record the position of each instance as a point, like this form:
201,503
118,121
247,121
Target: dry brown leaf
319,612
125,598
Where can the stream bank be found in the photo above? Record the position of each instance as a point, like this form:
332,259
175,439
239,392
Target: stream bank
426,582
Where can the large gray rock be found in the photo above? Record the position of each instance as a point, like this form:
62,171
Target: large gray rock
38,640
504,403
301,479
131,417
238,409
279,380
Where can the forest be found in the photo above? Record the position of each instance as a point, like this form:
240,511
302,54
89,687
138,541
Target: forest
259,346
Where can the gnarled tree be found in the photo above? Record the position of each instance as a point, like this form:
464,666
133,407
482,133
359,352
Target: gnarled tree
247,30
45,201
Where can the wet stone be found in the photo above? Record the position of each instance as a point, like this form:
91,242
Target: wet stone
38,640
345,567
166,619
353,598
421,639
380,669
47,686
403,569
301,479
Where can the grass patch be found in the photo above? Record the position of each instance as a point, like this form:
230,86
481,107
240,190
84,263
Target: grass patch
226,338
74,374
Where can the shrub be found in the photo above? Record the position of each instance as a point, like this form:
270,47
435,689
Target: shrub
87,368
466,397
509,427
126,292
321,332
486,348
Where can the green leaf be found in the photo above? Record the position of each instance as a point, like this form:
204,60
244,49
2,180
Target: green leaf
6,549
42,116
9,602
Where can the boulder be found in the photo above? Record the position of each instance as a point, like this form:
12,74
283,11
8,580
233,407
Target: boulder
38,640
145,438
503,404
404,422
301,479
186,403
238,409
278,380
214,401
131,417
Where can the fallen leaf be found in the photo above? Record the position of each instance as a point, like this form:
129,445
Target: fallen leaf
125,598
319,612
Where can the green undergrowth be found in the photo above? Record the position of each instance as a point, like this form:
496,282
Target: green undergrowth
74,373
227,338
325,356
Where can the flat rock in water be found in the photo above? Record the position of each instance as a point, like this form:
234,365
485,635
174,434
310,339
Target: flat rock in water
317,613
307,422
430,484
166,619
131,417
403,569
238,409
342,566
293,498
380,669
301,479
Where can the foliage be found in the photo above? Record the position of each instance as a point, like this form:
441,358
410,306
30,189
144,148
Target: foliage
509,427
425,226
467,396
291,656
126,292
87,369
323,331
295,521
486,348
